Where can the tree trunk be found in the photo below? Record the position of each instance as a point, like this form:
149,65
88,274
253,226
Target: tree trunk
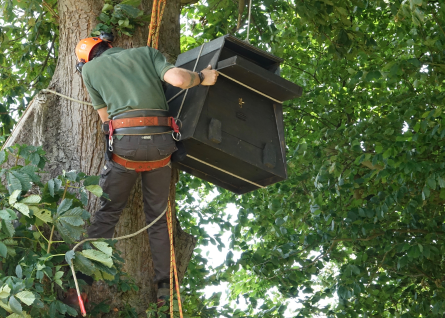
70,134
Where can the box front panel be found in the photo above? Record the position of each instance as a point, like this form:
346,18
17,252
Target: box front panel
248,123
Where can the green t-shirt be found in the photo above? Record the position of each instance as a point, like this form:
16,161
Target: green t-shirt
123,80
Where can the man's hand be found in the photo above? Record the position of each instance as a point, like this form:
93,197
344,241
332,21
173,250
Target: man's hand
210,76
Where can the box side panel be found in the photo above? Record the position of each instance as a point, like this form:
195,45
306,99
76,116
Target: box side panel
278,108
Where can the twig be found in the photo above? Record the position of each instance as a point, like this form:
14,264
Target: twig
48,7
46,61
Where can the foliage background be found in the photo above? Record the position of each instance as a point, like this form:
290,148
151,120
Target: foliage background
361,215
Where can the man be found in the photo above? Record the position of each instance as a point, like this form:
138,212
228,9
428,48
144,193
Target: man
128,84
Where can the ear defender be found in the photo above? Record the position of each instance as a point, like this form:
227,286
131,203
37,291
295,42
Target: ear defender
106,37
80,65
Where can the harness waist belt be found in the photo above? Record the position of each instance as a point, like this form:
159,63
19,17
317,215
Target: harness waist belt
140,166
142,121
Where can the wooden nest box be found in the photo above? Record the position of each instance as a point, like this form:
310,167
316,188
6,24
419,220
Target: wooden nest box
233,131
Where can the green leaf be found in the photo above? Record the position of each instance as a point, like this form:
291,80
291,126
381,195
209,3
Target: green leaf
26,297
3,156
64,206
72,175
69,256
58,275
129,11
51,187
98,256
32,199
92,180
23,208
71,311
84,265
279,221
24,179
441,182
8,228
103,247
373,75
431,182
5,291
15,305
133,3
8,214
13,183
44,215
95,189
13,196
72,217
107,7
3,250
18,271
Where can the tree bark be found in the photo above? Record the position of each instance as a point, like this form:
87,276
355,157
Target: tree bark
70,134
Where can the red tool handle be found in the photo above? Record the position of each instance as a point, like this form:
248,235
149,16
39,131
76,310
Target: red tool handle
82,307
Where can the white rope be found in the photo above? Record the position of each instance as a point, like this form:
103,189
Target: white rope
233,175
194,68
252,89
64,96
248,21
247,86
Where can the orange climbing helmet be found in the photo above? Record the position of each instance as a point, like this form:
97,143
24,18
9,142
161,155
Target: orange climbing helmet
85,46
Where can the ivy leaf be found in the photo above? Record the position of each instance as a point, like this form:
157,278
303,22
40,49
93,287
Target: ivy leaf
26,297
98,256
95,189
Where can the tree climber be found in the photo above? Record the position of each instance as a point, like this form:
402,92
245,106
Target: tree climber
126,86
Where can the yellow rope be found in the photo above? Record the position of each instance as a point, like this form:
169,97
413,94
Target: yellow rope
173,268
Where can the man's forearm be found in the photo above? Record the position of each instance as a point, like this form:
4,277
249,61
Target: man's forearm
182,78
194,79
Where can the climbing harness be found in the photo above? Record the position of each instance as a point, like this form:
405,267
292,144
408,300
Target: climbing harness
140,166
142,122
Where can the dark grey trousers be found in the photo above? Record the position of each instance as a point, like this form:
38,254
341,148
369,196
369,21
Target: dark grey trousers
117,182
